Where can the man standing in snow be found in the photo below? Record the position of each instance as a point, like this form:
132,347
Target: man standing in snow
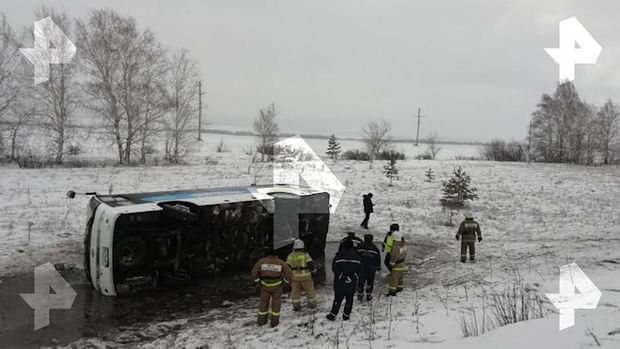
346,266
371,263
368,209
468,230
303,267
268,273
395,262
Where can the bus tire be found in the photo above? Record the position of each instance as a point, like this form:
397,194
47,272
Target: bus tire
130,253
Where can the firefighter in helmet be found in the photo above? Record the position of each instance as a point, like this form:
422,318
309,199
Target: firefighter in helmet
395,263
269,272
468,231
388,241
303,267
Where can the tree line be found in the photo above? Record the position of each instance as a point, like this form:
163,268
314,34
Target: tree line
122,76
564,128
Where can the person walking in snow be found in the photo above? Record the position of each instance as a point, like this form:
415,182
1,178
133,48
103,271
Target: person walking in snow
346,266
368,209
371,263
468,230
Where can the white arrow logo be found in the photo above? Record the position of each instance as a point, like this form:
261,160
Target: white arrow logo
295,158
46,277
42,55
571,277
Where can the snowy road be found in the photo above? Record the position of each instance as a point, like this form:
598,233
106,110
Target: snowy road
122,320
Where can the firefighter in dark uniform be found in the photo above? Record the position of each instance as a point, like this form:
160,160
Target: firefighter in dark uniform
468,231
346,266
269,273
354,239
371,263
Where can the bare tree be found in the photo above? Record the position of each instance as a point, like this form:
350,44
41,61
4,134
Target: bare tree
375,137
9,61
118,60
266,130
183,85
16,108
58,97
154,97
608,120
432,145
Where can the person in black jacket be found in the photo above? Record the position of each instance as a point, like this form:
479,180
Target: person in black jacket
354,239
368,209
371,263
346,266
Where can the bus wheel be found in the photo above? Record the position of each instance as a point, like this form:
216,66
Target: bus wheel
130,253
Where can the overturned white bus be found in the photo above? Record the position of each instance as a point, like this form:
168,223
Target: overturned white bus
136,241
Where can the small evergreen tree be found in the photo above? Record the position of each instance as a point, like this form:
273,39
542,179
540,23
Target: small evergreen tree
333,147
390,170
456,192
430,175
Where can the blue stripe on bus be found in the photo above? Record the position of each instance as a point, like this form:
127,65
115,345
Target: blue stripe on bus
181,196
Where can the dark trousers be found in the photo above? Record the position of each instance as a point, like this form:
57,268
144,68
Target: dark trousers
340,295
472,250
367,279
365,221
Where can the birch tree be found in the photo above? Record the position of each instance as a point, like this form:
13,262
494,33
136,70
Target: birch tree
182,90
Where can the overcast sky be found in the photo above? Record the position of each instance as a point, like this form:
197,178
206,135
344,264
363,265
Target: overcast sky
476,68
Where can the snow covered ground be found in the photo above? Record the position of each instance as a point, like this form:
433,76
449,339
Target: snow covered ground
534,217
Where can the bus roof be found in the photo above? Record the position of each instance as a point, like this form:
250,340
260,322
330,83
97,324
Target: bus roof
203,197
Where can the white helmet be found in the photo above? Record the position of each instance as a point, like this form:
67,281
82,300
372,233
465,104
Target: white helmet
468,215
298,245
397,236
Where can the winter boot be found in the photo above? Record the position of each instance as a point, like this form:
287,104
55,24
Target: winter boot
368,297
345,317
360,297
331,317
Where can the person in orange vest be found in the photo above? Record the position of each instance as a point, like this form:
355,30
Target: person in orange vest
303,267
269,272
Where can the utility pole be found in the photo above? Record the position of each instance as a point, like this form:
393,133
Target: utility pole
529,142
417,135
200,93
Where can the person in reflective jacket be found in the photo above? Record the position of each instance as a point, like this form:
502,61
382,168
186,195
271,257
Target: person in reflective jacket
346,266
269,272
303,267
371,263
397,264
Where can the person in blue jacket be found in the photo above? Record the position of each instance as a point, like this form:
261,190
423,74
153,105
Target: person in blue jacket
347,266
